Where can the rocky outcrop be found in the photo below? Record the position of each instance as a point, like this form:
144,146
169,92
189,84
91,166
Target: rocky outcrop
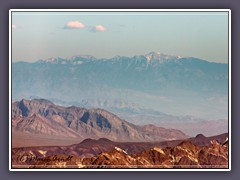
109,154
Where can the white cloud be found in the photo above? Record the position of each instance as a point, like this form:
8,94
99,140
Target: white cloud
99,28
74,25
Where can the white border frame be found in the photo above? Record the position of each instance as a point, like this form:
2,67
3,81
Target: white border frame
120,10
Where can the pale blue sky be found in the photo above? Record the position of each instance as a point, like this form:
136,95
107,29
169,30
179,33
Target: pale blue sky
41,35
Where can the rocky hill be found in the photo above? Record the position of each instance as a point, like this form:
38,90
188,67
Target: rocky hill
42,117
198,152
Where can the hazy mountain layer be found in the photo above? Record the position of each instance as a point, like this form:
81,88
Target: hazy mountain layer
171,85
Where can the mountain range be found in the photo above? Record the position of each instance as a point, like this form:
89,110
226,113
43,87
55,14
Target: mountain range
41,118
146,89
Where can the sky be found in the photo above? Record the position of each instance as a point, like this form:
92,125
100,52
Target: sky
42,35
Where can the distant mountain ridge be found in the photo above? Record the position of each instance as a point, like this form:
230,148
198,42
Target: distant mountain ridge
79,59
151,56
42,117
162,80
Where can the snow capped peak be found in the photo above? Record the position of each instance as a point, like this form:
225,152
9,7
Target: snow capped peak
154,53
118,57
151,57
160,57
51,59
78,59
83,56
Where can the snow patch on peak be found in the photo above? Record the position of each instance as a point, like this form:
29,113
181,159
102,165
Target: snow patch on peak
148,58
154,55
51,59
160,57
